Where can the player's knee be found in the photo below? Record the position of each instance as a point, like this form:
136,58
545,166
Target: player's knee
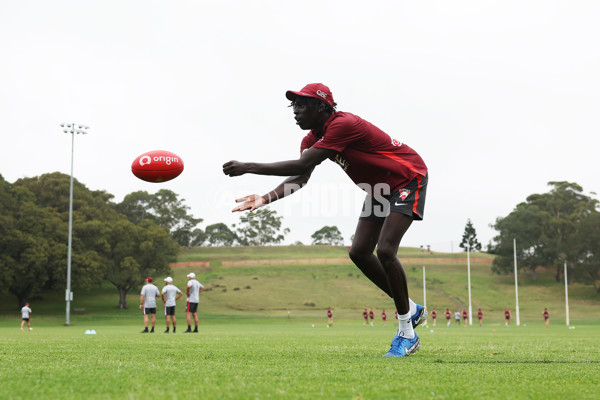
386,254
357,255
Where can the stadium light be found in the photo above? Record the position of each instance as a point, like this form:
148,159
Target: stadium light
469,282
72,129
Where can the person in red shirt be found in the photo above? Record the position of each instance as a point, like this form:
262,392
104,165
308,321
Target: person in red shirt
433,316
392,174
465,315
480,317
371,316
384,317
366,317
546,317
329,317
448,316
507,317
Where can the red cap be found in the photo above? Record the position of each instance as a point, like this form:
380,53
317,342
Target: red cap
149,279
315,90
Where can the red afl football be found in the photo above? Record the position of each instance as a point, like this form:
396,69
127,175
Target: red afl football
157,166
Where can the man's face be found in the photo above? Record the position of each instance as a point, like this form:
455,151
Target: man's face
306,115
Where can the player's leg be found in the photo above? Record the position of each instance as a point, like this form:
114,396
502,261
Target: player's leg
174,321
361,253
22,323
153,315
145,322
188,318
195,314
406,341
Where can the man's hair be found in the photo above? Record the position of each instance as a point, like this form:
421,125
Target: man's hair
313,103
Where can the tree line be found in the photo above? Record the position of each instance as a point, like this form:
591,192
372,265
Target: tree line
116,242
550,229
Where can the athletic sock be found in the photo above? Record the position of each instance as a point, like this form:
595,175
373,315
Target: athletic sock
196,328
405,328
189,327
174,329
413,306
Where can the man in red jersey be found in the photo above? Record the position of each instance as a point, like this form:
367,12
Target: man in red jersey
329,317
371,316
507,316
393,175
384,317
465,315
480,316
366,317
546,317
433,316
448,317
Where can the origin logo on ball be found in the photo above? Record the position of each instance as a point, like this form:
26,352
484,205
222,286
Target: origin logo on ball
157,166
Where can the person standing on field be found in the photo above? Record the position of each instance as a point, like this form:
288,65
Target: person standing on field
448,317
465,315
384,317
25,312
433,316
480,316
329,317
371,316
366,317
546,317
392,174
193,298
170,294
148,297
457,317
507,317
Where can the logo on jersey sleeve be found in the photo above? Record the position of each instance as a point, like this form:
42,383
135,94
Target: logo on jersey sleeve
342,162
396,143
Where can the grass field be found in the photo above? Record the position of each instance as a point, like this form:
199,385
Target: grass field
256,338
289,359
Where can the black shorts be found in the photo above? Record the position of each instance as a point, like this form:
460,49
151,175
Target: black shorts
25,319
192,307
409,200
170,310
149,311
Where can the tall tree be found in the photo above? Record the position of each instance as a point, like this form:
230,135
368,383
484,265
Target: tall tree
261,227
586,266
469,238
167,210
328,235
135,251
220,235
542,227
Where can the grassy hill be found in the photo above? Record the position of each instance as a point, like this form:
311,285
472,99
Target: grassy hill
302,281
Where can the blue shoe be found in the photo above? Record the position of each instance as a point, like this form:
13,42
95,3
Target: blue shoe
402,347
419,317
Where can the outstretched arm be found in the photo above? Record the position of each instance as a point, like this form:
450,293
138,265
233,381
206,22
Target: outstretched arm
287,187
309,159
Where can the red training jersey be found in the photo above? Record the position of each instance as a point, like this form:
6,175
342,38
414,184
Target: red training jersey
365,315
329,314
465,314
371,314
507,314
433,314
546,315
367,154
447,314
480,315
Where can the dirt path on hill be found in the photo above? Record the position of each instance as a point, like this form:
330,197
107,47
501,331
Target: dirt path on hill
344,260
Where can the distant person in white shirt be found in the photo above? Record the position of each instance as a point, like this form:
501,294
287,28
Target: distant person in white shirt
25,311
148,298
193,298
170,294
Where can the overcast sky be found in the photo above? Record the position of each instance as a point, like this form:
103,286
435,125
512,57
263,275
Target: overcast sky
499,98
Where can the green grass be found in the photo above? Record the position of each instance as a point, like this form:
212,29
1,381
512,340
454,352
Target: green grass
284,358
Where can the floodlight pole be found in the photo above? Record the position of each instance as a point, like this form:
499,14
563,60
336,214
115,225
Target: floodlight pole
567,296
516,281
424,293
469,282
72,129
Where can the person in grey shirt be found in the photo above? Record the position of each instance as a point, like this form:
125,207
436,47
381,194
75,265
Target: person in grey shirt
193,298
148,298
170,294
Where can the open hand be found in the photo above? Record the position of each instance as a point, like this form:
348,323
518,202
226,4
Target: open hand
250,202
